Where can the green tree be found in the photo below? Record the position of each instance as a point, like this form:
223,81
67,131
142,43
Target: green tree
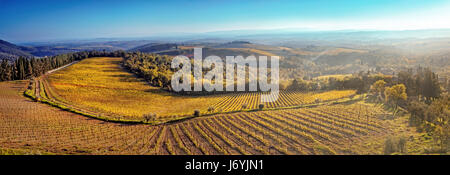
298,84
20,68
417,110
431,89
29,69
5,71
407,78
437,118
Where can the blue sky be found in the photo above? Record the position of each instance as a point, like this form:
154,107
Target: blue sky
22,21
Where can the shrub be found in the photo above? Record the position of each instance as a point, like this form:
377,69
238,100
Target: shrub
149,117
211,109
317,100
261,106
196,113
395,145
389,147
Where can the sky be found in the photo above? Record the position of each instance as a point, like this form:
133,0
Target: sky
44,20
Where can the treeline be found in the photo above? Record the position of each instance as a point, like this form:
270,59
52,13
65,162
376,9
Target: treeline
428,106
420,83
154,68
423,84
26,68
420,93
360,82
433,119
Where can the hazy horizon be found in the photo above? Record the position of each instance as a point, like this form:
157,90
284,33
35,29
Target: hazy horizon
30,21
242,34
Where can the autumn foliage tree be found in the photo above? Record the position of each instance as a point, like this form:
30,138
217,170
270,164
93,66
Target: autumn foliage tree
378,88
395,94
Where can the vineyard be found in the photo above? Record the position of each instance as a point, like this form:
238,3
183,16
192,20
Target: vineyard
235,102
28,125
99,86
235,81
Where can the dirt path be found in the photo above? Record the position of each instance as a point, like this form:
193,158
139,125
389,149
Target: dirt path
62,67
38,80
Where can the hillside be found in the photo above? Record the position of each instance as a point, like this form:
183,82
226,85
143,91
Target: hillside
11,51
42,49
133,97
320,130
154,47
51,49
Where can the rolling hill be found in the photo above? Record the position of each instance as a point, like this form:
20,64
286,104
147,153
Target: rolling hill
155,47
11,51
223,49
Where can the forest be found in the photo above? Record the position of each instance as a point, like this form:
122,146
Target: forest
27,68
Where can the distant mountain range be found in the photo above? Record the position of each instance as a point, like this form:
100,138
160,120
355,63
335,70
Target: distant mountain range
11,51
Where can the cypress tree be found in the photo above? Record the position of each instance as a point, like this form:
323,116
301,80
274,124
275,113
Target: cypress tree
29,69
19,69
3,70
8,72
